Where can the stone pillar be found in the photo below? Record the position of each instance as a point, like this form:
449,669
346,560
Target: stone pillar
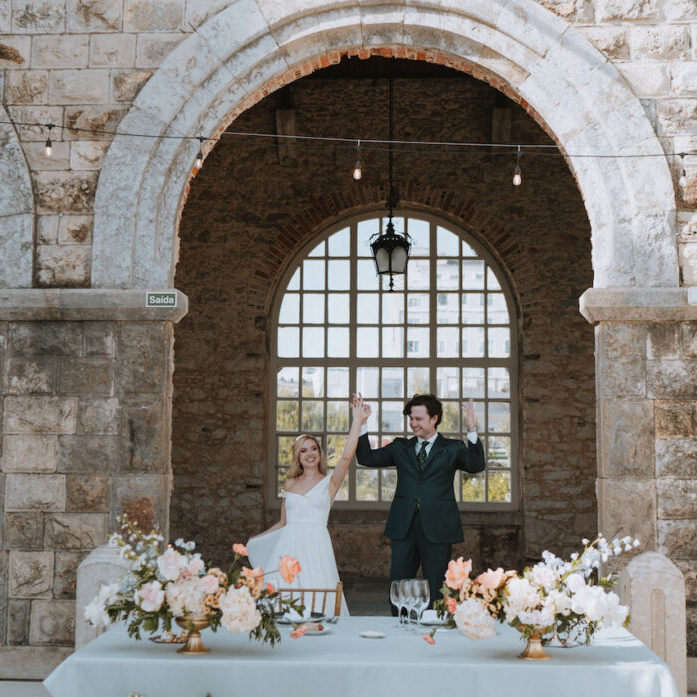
646,382
85,412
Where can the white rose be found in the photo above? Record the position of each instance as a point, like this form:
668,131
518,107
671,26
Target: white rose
170,564
561,601
473,620
150,596
575,582
95,613
543,576
239,610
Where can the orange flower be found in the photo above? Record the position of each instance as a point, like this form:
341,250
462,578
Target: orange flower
240,549
299,631
451,604
270,588
254,574
289,568
428,638
458,572
491,579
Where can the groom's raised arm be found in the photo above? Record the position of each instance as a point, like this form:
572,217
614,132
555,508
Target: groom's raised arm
367,457
471,457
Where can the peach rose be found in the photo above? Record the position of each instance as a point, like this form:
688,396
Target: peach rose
451,604
289,568
254,574
299,631
458,572
428,638
240,549
491,579
270,588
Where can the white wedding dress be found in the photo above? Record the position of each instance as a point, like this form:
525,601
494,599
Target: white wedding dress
304,537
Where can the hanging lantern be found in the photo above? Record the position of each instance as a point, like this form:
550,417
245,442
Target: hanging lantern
390,252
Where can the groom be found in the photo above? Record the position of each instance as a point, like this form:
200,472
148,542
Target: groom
424,519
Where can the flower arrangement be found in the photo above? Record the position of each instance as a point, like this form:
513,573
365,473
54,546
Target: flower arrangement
178,584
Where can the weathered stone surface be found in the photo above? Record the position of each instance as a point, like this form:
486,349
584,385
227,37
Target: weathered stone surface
64,266
677,498
676,538
672,379
680,10
87,86
14,51
612,41
689,571
88,154
31,574
142,442
100,121
48,415
87,493
38,16
34,115
65,192
688,339
684,77
35,492
677,117
152,15
93,16
55,51
31,376
18,622
112,50
99,339
125,84
142,349
26,87
52,622
45,338
675,419
29,453
143,498
660,43
74,531
75,229
609,10
98,416
86,376
24,531
620,360
662,341
37,160
627,438
647,79
47,227
618,503
676,457
65,576
88,454
153,48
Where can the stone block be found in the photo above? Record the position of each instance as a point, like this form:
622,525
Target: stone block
34,115
626,438
677,498
684,79
688,339
143,349
46,338
31,574
99,339
680,10
677,117
31,376
125,84
676,457
52,622
98,416
112,50
143,498
662,341
35,492
689,571
55,51
667,379
65,576
665,43
627,506
675,419
26,87
691,631
74,531
75,229
37,160
46,226
24,531
143,437
612,41
647,79
101,121
65,192
66,267
676,538
5,16
45,415
152,15
14,51
88,454
18,612
87,86
38,17
94,16
16,232
623,10
620,360
30,453
86,376
88,154
87,493
152,49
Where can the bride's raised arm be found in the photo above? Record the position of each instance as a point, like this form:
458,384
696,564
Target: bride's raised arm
360,411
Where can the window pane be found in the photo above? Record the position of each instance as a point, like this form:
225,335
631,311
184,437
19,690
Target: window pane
288,338
367,342
318,251
499,342
313,275
290,309
479,409
418,381
313,342
417,342
472,382
472,342
338,342
367,308
367,382
392,342
338,416
492,282
392,419
473,487
448,342
287,382
498,451
338,308
473,308
313,382
473,275
338,382
447,274
397,283
499,383
447,308
294,283
451,417
340,243
339,274
335,446
287,415
285,450
467,251
417,308
343,493
388,484
500,486
417,274
448,243
420,233
448,380
313,308
313,415
365,230
393,308
392,383
499,417
497,312
366,485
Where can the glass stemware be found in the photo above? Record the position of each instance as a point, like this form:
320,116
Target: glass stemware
405,595
422,597
396,599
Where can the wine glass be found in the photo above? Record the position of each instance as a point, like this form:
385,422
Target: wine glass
396,599
405,595
422,596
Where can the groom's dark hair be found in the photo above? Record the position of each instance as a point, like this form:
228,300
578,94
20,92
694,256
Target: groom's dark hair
433,405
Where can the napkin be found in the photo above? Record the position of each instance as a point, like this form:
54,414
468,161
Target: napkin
431,617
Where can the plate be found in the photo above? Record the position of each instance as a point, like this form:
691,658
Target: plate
171,639
314,617
372,635
318,632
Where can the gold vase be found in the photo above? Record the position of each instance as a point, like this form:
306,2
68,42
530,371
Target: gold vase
193,625
533,650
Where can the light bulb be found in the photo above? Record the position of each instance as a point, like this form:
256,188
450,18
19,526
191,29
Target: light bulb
49,147
517,178
199,160
683,178
357,172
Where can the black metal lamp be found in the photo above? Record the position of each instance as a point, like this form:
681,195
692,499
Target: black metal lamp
390,249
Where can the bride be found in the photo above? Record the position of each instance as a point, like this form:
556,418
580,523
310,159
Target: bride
308,495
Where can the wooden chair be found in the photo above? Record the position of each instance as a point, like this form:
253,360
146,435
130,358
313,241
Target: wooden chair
315,595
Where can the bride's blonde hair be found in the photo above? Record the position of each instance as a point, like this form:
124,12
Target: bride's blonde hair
296,469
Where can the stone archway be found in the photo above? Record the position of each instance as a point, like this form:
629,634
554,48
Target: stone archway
252,48
16,211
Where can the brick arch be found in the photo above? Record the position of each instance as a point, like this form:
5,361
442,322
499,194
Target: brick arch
250,49
16,210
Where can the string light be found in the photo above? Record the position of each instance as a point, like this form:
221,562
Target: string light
48,149
517,178
199,157
683,175
357,172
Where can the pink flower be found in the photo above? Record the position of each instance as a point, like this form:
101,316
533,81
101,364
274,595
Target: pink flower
240,549
289,568
299,631
491,579
428,638
209,584
171,563
458,572
150,596
195,566
451,604
252,573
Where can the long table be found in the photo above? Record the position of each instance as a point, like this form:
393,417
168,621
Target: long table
344,664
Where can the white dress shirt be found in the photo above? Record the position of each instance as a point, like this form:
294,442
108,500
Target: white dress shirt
471,437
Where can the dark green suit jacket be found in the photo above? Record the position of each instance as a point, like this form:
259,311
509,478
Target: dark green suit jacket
430,492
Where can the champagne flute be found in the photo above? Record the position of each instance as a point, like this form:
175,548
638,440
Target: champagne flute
396,599
422,593
410,598
404,596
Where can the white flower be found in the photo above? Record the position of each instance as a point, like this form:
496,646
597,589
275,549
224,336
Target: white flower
615,614
150,596
521,596
186,596
95,613
473,620
543,617
170,564
585,541
589,601
107,593
239,610
543,576
561,601
575,582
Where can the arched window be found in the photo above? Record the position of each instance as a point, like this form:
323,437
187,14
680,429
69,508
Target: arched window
447,329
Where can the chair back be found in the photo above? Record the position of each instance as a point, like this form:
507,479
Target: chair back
324,600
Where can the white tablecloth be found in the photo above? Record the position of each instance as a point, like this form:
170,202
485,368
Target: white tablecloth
343,664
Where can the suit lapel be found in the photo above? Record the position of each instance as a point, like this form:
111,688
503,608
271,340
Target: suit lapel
438,444
411,447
